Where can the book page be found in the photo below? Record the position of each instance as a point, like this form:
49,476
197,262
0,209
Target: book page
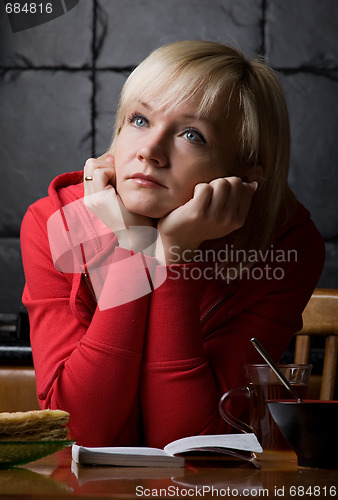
246,442
115,450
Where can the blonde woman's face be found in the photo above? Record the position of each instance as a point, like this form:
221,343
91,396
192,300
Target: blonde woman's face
161,155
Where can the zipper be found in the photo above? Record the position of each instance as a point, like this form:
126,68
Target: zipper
213,307
86,275
89,285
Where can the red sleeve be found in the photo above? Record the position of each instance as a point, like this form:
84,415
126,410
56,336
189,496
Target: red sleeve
179,396
269,308
89,366
189,362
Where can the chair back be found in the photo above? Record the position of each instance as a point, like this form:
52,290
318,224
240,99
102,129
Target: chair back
17,389
320,319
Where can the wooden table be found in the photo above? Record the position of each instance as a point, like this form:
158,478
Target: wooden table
57,477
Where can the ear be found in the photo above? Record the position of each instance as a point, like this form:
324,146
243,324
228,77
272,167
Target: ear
253,173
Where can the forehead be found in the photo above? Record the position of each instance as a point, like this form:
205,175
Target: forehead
199,102
171,87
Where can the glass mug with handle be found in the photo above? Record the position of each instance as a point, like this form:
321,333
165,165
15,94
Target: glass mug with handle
263,386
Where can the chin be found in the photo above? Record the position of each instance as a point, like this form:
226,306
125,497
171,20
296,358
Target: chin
146,210
146,206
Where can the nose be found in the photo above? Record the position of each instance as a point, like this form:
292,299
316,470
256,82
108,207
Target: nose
154,150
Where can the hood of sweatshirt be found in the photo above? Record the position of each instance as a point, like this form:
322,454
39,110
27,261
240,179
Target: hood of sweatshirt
78,239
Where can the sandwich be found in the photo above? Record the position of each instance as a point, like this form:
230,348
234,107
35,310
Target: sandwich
34,425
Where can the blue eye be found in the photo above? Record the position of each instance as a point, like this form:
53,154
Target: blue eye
193,135
138,121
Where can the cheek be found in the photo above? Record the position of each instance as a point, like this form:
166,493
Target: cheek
119,166
118,178
184,191
120,149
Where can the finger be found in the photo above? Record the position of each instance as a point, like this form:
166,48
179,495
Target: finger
245,202
109,169
238,202
102,179
203,193
106,162
231,200
220,191
100,173
239,198
254,186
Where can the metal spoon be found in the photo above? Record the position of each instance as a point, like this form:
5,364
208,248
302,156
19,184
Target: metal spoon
275,368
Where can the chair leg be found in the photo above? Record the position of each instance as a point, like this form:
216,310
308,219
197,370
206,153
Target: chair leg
302,349
329,368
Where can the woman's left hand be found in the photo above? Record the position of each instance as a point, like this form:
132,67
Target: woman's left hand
216,209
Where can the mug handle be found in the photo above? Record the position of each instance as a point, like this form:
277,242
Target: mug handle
235,422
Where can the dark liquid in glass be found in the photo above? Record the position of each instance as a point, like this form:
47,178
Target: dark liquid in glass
262,422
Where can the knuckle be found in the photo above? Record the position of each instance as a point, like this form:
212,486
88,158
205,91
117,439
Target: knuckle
222,180
90,163
221,184
235,182
203,187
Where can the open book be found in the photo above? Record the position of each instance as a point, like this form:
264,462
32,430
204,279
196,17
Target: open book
240,445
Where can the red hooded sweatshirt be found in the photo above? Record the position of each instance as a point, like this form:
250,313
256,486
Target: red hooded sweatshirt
152,370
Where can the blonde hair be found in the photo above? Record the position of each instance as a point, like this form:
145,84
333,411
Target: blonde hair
179,71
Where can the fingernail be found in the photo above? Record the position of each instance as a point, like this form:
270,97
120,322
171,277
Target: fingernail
254,185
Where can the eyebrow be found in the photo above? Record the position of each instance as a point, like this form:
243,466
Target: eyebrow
186,117
144,104
206,120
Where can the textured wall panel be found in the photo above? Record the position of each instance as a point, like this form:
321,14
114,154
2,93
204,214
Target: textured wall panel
65,41
312,100
302,33
45,124
329,278
141,26
108,88
12,277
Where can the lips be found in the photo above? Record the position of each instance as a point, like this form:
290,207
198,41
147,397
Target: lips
147,180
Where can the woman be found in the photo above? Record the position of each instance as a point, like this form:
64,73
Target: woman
148,272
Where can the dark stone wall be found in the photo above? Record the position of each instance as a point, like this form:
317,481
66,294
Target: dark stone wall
60,81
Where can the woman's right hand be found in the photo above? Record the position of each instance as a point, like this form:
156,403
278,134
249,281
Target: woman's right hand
102,171
99,191
101,198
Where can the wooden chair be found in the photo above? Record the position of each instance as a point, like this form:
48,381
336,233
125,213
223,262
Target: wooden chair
17,389
320,319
